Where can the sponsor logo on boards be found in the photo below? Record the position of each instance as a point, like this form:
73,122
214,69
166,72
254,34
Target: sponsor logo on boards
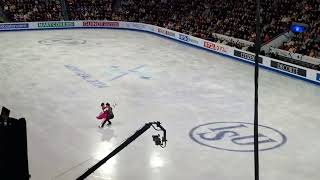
138,26
184,37
214,46
187,39
55,24
246,56
166,32
14,26
288,68
101,23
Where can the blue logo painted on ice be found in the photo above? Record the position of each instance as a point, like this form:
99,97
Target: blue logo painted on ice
116,73
85,76
236,136
318,77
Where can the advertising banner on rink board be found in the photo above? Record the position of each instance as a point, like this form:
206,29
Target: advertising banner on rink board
14,26
112,24
288,68
215,47
62,24
138,26
187,38
246,56
166,32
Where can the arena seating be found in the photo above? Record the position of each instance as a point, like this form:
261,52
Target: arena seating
89,9
307,43
200,18
232,18
32,10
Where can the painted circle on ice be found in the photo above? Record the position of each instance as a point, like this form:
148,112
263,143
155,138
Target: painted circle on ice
236,136
64,41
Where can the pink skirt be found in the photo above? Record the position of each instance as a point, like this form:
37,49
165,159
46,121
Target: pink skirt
102,115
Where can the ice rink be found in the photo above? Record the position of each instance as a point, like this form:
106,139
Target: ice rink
57,80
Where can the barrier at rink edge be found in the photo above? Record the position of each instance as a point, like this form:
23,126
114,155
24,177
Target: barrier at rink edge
289,69
113,24
14,26
214,46
57,24
166,32
247,56
269,63
187,38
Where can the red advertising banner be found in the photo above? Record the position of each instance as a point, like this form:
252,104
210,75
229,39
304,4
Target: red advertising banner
215,47
100,23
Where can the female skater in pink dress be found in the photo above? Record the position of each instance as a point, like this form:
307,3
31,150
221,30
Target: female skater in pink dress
104,113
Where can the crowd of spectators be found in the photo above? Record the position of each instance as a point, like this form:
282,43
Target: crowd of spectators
89,9
231,42
199,18
307,43
32,10
2,18
295,61
204,18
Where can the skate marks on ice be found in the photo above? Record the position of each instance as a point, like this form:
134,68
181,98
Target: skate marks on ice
107,133
67,172
236,136
62,41
103,173
107,144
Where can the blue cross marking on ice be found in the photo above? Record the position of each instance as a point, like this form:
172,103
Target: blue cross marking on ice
136,70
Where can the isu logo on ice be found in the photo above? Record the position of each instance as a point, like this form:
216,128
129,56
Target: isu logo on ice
236,136
214,46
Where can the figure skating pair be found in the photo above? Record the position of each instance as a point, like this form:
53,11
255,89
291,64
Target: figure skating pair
105,115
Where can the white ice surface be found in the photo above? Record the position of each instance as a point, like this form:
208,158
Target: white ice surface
187,87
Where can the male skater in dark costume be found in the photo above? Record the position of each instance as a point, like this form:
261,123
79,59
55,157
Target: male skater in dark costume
109,115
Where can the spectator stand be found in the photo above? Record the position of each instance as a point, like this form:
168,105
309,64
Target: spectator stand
27,11
302,49
231,41
2,17
89,9
64,10
307,43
